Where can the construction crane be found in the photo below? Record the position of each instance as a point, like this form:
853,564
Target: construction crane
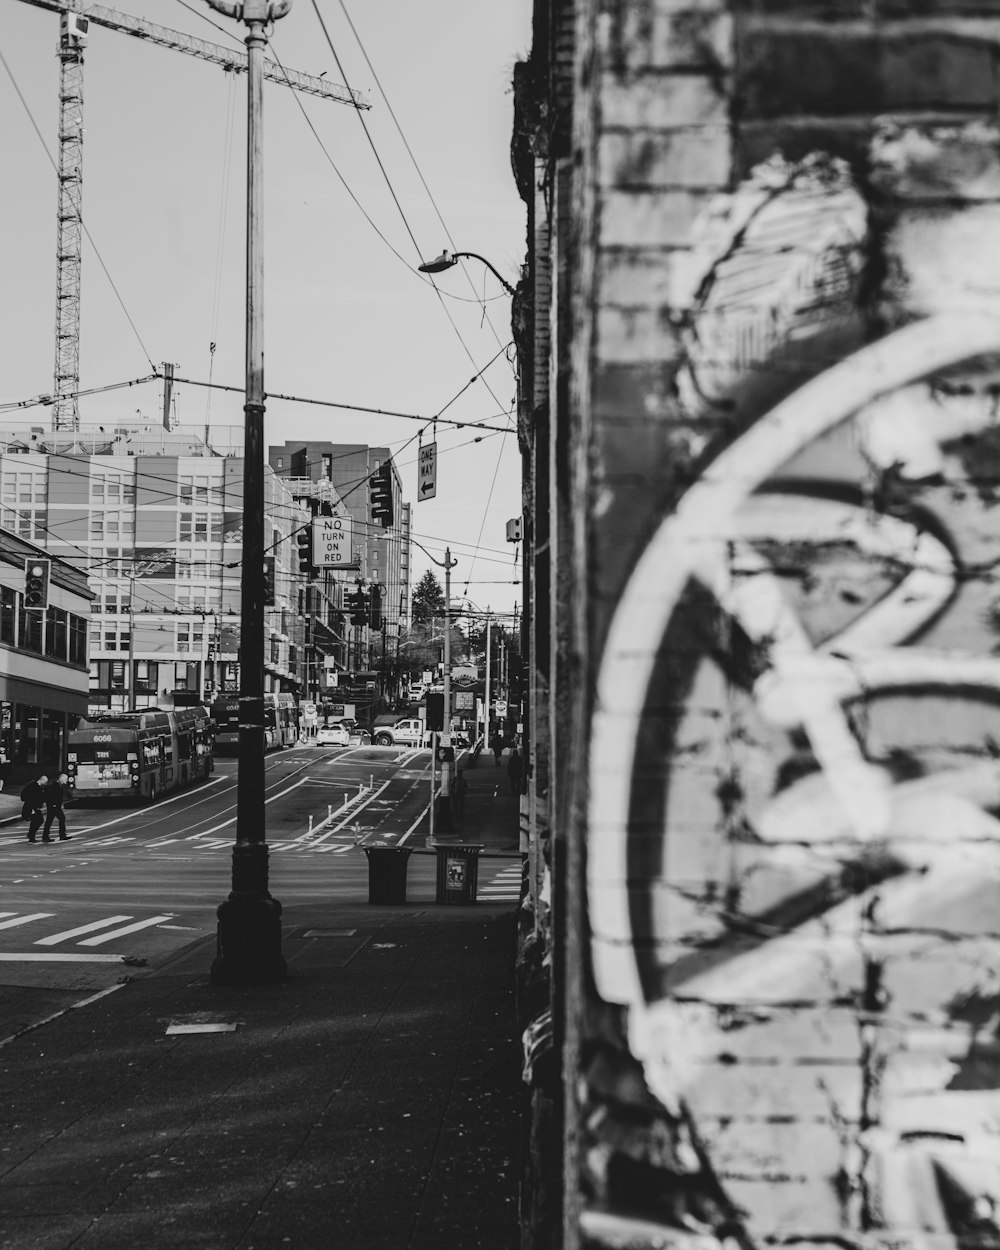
76,17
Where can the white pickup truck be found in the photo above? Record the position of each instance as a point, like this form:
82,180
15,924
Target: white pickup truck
409,733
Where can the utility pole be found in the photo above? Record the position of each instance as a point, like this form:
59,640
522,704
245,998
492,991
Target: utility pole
486,692
249,928
447,816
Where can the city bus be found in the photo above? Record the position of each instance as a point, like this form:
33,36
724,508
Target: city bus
140,755
281,722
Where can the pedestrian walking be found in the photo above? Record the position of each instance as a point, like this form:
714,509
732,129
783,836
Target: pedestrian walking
33,805
55,794
496,746
458,789
514,771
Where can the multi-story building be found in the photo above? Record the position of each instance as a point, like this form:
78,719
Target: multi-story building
382,560
155,517
43,660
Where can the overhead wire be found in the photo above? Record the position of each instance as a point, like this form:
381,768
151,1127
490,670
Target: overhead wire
413,159
392,192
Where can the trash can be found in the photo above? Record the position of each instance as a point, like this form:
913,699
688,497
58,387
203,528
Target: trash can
457,872
386,872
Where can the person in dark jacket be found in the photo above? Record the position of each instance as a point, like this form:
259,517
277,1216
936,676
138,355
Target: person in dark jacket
55,798
514,771
33,809
496,746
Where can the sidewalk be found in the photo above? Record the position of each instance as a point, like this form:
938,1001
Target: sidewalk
371,1102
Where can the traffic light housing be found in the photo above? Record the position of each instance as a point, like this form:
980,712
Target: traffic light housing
381,495
357,602
435,711
36,583
375,607
269,581
303,541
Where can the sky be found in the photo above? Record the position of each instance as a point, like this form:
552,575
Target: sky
349,212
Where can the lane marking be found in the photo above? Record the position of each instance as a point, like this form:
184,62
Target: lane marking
84,928
232,820
58,957
129,928
38,915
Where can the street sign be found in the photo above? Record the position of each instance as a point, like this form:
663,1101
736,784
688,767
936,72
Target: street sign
427,476
501,707
332,542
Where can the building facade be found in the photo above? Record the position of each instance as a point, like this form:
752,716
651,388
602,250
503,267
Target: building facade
758,338
382,554
155,518
43,662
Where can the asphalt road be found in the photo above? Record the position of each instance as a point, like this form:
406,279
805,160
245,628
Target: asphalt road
134,886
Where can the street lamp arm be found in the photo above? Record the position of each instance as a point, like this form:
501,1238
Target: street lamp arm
447,259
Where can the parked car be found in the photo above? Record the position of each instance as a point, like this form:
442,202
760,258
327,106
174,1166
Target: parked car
347,733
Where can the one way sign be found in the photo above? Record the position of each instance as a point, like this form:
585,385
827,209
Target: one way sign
427,483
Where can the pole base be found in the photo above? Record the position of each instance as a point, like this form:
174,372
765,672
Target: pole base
248,950
445,816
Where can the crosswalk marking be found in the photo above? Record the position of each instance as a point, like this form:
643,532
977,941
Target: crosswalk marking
129,928
84,928
19,920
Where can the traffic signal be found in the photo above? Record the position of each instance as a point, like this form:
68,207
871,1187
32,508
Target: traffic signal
36,583
375,606
381,495
269,581
435,712
303,540
357,601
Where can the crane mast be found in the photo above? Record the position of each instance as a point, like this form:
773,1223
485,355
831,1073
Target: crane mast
69,229
75,18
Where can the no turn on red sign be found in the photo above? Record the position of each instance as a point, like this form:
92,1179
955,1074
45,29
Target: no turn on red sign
332,542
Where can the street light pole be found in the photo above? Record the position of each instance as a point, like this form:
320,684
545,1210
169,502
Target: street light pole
249,920
446,814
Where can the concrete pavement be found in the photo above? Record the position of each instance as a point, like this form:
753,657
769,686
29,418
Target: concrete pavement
371,1101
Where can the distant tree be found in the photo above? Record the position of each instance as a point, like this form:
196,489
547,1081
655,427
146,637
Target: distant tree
428,599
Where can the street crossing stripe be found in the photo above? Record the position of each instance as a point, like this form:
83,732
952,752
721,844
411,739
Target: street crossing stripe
60,957
84,928
38,915
129,928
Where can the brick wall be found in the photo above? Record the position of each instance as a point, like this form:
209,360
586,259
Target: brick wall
774,464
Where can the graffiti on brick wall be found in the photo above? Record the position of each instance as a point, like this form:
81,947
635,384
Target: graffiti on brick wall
794,852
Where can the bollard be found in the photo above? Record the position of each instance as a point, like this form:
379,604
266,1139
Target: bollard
310,824
329,810
344,804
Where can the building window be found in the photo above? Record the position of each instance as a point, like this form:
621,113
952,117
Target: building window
190,637
22,502
200,527
77,641
111,526
8,615
196,488
111,636
111,486
31,631
55,633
